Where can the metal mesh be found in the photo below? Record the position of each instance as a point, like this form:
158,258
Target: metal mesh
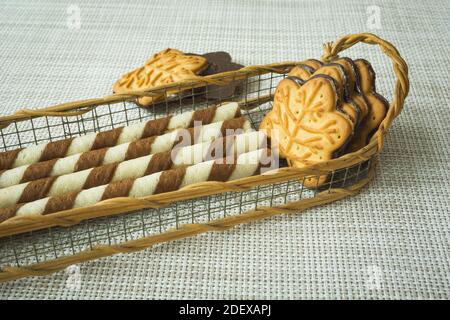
44,245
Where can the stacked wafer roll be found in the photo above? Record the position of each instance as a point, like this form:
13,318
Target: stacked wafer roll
244,165
117,136
121,152
132,169
141,159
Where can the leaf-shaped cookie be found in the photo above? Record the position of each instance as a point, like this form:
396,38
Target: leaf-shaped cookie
305,69
313,63
301,71
356,97
354,103
350,72
305,123
337,72
167,66
378,106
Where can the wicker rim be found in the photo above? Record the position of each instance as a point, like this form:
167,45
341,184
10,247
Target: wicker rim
120,205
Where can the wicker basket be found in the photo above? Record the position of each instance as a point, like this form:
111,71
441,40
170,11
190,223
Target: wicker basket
40,245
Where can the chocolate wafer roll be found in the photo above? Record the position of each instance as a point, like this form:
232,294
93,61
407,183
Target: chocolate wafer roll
244,165
132,169
125,151
117,136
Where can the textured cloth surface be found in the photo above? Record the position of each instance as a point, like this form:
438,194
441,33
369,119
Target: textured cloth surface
390,241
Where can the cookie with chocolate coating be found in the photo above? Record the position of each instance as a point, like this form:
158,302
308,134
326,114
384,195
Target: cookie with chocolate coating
350,72
378,106
313,63
167,66
301,71
306,123
341,75
337,72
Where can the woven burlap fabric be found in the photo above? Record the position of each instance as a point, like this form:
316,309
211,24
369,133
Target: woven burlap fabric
391,241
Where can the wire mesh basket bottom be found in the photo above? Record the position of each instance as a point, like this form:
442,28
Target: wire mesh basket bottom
52,243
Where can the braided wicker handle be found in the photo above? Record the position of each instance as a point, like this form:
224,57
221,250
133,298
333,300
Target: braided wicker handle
331,50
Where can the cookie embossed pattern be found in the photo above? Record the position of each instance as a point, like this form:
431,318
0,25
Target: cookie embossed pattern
118,206
167,66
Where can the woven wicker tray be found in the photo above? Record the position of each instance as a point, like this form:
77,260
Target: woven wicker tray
39,245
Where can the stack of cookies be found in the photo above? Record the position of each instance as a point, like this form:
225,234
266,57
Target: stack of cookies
172,65
322,111
141,159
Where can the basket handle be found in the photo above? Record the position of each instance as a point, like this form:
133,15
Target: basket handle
401,89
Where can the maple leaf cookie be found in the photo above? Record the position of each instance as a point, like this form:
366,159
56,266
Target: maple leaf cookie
306,124
167,66
305,69
378,106
343,71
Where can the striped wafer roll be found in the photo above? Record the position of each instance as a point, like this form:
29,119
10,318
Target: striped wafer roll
125,151
245,165
117,136
132,169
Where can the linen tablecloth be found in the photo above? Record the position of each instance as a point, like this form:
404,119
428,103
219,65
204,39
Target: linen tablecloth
390,241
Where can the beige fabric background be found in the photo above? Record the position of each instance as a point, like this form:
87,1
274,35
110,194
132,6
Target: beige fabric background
395,234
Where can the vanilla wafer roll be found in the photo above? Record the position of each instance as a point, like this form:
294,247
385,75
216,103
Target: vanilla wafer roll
125,151
244,165
132,169
117,136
